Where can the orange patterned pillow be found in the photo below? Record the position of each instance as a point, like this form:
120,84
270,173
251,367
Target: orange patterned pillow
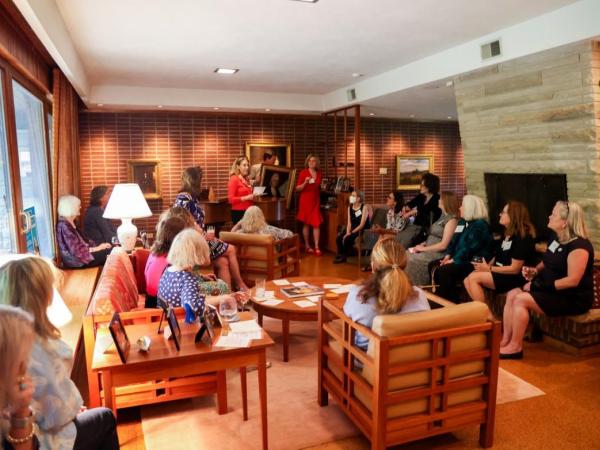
116,290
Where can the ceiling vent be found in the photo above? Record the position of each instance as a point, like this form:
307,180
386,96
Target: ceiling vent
490,50
351,93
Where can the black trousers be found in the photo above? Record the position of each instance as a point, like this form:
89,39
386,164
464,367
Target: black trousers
96,430
448,277
345,246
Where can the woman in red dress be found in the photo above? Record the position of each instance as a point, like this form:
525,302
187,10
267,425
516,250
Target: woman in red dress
239,189
309,208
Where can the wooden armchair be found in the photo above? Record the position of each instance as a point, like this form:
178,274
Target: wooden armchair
261,256
424,373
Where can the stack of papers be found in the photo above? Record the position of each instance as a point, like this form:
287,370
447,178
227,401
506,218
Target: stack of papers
281,282
314,298
332,285
343,289
232,340
304,304
272,302
240,334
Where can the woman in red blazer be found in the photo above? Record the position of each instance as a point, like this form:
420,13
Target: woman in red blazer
239,188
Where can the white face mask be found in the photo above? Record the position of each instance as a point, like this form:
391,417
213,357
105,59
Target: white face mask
352,199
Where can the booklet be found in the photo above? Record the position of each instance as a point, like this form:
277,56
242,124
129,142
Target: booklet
302,291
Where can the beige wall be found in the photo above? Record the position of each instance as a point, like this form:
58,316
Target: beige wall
536,114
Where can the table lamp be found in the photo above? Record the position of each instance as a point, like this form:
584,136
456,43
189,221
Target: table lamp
127,202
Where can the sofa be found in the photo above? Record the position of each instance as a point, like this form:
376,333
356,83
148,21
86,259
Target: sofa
424,373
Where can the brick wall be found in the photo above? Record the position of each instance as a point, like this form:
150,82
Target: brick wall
182,139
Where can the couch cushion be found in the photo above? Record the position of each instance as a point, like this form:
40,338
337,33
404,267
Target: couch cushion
245,239
116,290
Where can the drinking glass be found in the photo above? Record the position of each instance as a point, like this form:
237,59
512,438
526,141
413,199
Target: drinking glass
477,260
114,241
210,232
529,272
228,310
259,288
242,296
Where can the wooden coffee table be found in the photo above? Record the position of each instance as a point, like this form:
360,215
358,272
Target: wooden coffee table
288,311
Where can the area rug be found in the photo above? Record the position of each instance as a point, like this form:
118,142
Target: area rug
295,419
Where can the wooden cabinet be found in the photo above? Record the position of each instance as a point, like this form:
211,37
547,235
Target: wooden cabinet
333,218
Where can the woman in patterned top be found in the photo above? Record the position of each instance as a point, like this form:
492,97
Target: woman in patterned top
222,254
179,286
63,423
254,222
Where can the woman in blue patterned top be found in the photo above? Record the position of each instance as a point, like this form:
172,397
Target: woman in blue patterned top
63,423
178,285
222,254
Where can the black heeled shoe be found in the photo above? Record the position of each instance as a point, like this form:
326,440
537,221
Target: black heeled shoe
516,355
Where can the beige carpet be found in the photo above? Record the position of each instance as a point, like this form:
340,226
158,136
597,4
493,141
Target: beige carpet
295,419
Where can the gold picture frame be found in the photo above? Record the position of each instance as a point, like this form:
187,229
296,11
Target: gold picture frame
286,185
255,152
145,173
410,169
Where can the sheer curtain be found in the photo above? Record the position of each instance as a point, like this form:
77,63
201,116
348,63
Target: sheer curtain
8,241
33,164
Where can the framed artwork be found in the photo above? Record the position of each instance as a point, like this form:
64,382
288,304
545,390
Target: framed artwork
410,169
146,173
117,331
279,182
174,326
283,152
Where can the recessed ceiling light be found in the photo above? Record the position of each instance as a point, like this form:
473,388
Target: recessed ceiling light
223,71
216,108
268,109
449,117
100,105
159,106
357,75
371,114
306,1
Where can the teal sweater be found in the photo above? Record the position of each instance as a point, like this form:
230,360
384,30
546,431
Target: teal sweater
474,240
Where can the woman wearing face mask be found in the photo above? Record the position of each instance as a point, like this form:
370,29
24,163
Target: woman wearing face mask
239,188
358,220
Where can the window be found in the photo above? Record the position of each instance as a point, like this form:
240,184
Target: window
8,237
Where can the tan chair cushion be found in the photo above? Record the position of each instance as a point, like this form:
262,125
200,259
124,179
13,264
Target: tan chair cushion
246,239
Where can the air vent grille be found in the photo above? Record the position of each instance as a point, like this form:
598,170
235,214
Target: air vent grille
351,93
490,50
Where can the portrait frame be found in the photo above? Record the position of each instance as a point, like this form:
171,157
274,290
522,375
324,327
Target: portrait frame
255,151
146,174
410,169
267,172
174,326
119,335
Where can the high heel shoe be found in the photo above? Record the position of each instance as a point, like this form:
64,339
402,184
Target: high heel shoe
515,355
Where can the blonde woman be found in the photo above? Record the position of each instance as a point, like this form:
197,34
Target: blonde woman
16,390
309,203
63,423
563,285
178,285
387,291
472,238
239,188
254,222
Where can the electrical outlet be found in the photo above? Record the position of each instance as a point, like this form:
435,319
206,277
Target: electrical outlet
383,171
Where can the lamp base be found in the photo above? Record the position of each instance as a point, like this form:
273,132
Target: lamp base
127,234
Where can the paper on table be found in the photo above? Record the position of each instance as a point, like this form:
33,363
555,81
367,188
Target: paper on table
269,294
103,343
300,283
331,285
244,326
304,303
272,302
282,282
314,298
343,289
233,340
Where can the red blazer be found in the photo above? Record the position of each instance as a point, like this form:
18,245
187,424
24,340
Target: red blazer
236,189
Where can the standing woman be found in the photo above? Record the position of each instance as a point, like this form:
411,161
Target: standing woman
564,284
309,207
239,188
222,254
96,227
503,272
358,220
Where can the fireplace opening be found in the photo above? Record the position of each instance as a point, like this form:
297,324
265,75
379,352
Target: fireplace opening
539,192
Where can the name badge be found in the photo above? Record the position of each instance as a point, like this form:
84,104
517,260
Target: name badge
506,245
553,246
499,264
459,228
358,213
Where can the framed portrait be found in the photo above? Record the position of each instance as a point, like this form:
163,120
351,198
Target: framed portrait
410,169
279,182
117,331
255,153
146,173
174,327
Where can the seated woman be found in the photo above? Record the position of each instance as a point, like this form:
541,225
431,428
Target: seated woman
357,220
96,227
63,423
503,272
170,223
178,285
254,222
75,250
564,284
472,237
422,211
222,255
16,390
387,291
439,237
394,224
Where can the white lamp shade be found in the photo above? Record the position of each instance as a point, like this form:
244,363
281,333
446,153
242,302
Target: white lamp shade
126,202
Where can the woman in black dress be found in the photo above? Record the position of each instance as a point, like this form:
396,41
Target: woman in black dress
358,220
563,285
503,272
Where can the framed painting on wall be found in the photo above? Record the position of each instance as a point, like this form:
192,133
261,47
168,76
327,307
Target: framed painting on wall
146,173
279,182
283,152
410,169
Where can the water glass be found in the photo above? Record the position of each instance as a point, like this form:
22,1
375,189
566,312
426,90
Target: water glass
529,273
477,260
210,232
228,310
114,241
259,288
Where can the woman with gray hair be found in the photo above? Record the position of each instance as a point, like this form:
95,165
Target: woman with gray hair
16,389
75,250
358,220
